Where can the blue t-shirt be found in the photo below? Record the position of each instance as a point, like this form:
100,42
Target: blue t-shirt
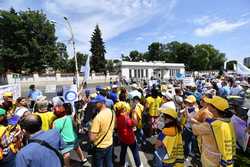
33,94
36,155
109,103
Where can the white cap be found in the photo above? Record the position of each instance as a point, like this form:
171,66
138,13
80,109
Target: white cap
134,85
237,82
167,95
114,86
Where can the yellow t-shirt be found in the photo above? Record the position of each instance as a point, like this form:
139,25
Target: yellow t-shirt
154,104
100,126
2,130
139,110
47,120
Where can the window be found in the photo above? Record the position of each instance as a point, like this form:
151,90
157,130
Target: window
139,76
142,73
130,73
146,73
135,73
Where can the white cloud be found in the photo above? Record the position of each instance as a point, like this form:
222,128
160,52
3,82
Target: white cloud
139,38
218,27
113,16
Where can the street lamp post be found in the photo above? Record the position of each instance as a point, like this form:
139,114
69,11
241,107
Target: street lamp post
74,50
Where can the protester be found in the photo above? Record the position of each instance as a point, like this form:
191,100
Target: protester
42,147
101,133
67,129
178,100
137,113
8,103
188,113
33,94
47,117
153,103
169,139
218,136
126,134
21,107
10,140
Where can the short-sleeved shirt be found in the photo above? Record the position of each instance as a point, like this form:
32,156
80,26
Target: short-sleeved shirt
33,94
154,104
47,120
139,110
125,129
100,126
65,126
37,155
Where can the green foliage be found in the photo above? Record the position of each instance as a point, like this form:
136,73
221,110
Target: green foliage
98,51
199,57
27,41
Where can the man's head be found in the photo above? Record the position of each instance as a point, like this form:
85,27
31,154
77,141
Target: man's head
32,87
42,106
190,101
115,88
31,124
8,96
99,101
167,96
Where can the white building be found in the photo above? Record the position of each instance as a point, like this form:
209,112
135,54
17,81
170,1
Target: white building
147,70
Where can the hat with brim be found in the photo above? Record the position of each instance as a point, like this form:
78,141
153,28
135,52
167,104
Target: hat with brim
167,95
99,99
169,109
190,99
219,103
8,94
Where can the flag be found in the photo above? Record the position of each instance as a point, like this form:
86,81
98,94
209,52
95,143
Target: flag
242,70
87,69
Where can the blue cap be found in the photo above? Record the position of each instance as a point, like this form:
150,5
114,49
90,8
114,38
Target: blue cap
99,99
87,92
98,88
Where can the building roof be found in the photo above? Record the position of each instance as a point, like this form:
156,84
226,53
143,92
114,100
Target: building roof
151,64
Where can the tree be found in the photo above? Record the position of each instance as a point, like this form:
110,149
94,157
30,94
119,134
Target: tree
27,41
154,51
98,51
81,61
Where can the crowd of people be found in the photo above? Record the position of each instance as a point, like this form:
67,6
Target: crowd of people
191,124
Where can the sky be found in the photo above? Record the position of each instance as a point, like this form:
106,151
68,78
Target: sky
134,24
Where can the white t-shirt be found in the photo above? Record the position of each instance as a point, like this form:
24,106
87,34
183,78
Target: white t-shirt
20,111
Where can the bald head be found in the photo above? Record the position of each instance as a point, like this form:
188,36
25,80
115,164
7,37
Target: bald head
31,123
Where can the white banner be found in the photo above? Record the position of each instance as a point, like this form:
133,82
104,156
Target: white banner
14,88
188,81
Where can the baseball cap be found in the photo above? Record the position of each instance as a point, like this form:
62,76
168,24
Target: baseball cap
169,109
8,94
99,99
99,88
114,86
190,99
2,111
167,95
218,102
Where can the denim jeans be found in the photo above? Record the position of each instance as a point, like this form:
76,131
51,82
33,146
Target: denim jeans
134,149
140,136
188,142
102,157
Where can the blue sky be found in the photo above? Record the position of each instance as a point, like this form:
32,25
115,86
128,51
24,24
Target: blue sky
134,24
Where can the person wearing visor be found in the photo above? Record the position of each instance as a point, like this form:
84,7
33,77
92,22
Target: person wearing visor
169,140
218,144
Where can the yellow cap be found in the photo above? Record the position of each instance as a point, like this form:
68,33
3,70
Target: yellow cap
122,105
169,109
190,99
8,94
219,103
